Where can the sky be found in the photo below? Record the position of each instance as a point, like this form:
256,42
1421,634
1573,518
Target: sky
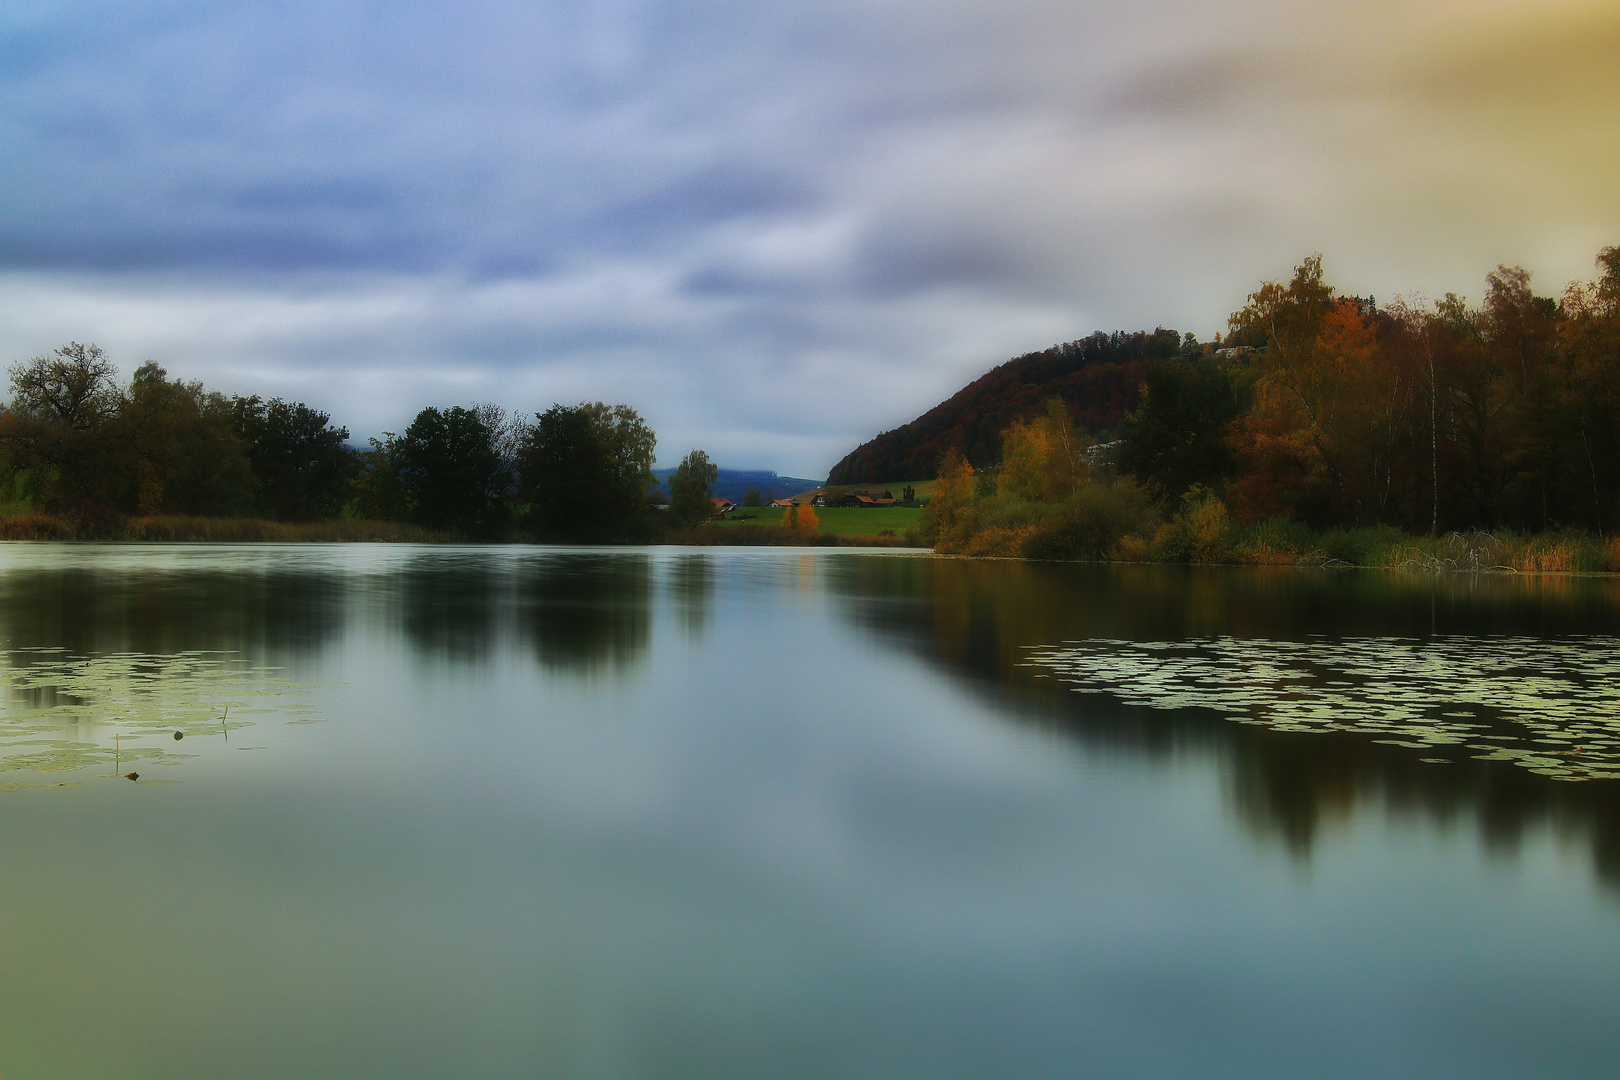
774,229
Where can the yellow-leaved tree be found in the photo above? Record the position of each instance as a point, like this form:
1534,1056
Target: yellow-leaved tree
801,519
947,522
1043,460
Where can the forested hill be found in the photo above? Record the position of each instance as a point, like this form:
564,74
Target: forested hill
1098,378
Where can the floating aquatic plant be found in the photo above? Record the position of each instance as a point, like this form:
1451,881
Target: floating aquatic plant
66,713
1550,706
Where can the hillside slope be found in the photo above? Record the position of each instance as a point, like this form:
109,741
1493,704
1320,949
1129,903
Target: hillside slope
1098,378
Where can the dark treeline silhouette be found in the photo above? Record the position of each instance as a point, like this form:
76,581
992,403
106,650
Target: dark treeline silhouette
1318,413
75,442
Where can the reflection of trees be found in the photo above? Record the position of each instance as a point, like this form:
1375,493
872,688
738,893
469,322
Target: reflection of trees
1289,784
263,614
448,605
586,611
978,617
691,585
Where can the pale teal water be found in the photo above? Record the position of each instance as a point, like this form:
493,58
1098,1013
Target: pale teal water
775,813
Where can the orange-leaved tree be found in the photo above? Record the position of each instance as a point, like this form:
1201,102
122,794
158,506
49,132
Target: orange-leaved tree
801,518
947,522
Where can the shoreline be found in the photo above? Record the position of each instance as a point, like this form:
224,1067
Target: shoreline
1477,553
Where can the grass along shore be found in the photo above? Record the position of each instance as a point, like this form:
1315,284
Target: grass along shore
158,528
1206,542
833,520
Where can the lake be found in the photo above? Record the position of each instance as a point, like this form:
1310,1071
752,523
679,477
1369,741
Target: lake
394,811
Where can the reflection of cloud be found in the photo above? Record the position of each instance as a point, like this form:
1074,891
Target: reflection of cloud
555,202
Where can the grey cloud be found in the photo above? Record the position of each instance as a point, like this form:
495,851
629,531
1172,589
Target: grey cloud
714,193
723,207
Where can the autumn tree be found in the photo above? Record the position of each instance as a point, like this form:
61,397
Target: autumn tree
1043,459
947,520
75,386
1317,440
172,447
801,519
1591,343
49,435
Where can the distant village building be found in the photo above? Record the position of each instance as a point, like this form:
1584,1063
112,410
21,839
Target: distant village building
784,503
722,507
867,497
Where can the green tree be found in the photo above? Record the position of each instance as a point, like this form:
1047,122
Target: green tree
691,487
585,472
751,497
300,461
378,490
453,473
1177,437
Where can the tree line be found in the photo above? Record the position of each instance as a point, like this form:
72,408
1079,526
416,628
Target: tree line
74,440
1327,412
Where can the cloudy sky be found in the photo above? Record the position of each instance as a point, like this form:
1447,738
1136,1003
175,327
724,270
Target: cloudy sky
774,228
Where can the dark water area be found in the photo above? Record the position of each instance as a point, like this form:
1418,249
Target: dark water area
405,811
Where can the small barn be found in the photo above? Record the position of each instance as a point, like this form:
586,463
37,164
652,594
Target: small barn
868,497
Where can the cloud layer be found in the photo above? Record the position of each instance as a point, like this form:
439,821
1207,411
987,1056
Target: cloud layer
776,229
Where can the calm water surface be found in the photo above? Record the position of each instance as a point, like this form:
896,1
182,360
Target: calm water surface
773,813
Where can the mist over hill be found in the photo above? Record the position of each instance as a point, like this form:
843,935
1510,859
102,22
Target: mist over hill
733,484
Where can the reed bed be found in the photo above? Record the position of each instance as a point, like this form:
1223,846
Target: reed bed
745,535
44,526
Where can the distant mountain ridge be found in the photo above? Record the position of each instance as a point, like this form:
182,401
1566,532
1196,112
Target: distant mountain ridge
733,484
1099,378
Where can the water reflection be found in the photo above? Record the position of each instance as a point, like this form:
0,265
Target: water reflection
95,610
66,717
1345,681
1548,705
691,587
588,613
448,606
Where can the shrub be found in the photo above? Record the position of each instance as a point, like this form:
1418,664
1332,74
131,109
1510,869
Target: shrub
1198,533
1276,541
1090,524
1366,547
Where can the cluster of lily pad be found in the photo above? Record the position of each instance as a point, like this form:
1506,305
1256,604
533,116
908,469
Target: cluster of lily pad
1550,706
115,714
